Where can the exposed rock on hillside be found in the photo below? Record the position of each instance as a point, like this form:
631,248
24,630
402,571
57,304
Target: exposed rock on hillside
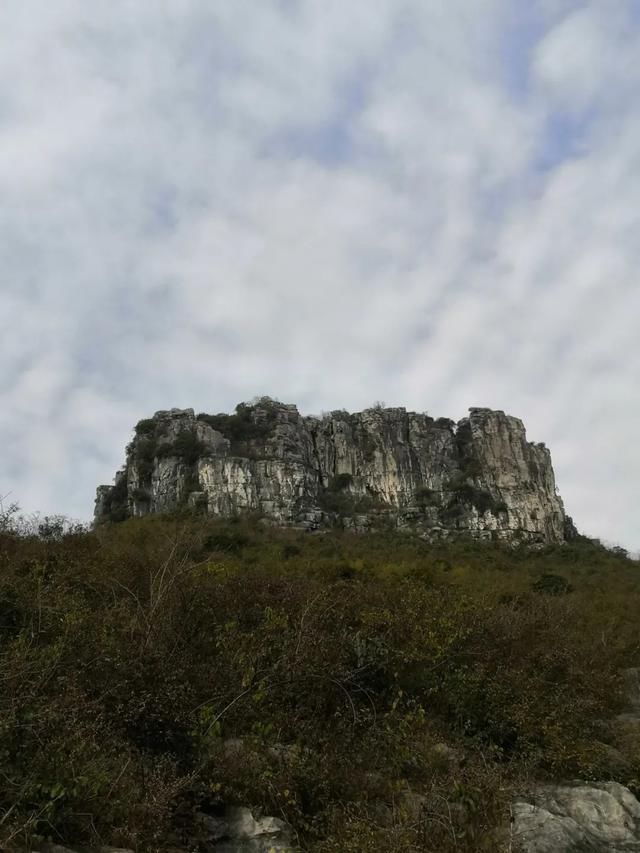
600,818
373,468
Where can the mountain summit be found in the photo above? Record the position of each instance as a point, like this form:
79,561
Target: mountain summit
382,467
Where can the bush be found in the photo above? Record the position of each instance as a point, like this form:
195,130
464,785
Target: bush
145,449
186,445
424,496
147,427
445,423
244,426
116,500
340,482
231,541
467,493
141,495
552,585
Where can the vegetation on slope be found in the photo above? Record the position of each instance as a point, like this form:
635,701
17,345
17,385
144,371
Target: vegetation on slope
165,666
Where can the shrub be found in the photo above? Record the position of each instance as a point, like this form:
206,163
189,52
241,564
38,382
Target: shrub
231,541
340,482
244,426
145,449
147,427
186,445
424,496
552,585
141,495
467,493
290,550
116,499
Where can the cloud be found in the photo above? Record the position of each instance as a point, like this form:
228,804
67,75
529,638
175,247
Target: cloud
432,204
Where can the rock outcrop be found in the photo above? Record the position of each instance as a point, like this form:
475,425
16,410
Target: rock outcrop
595,817
379,467
240,832
599,818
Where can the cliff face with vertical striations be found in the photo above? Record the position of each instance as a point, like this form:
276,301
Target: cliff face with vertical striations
380,467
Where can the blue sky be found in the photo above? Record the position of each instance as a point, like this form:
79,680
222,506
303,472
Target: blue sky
431,203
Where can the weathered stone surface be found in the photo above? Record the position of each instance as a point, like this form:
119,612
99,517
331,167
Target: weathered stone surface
379,467
598,818
240,832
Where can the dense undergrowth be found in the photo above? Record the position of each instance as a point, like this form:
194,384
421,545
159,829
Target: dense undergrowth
164,666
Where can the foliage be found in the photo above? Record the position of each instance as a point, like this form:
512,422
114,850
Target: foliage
169,665
146,449
115,500
244,426
552,585
185,445
465,491
424,497
338,498
8,515
147,426
340,482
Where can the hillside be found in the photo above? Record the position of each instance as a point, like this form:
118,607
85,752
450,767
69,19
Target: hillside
375,692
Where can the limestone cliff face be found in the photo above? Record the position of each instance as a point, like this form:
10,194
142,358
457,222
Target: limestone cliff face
379,467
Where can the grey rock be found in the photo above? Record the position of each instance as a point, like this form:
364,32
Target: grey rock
377,468
241,832
597,818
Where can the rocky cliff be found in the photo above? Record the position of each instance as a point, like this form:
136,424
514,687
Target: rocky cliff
379,467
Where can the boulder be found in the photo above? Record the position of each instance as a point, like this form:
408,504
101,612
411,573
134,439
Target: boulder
240,832
597,818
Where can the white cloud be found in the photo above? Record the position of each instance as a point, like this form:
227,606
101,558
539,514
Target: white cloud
590,58
329,203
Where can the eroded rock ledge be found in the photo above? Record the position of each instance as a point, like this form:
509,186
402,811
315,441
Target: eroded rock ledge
383,467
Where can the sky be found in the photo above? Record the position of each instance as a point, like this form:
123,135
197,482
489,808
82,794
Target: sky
433,203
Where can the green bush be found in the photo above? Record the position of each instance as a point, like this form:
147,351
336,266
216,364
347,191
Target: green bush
115,502
467,493
552,585
424,496
186,445
244,426
340,482
147,426
146,449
